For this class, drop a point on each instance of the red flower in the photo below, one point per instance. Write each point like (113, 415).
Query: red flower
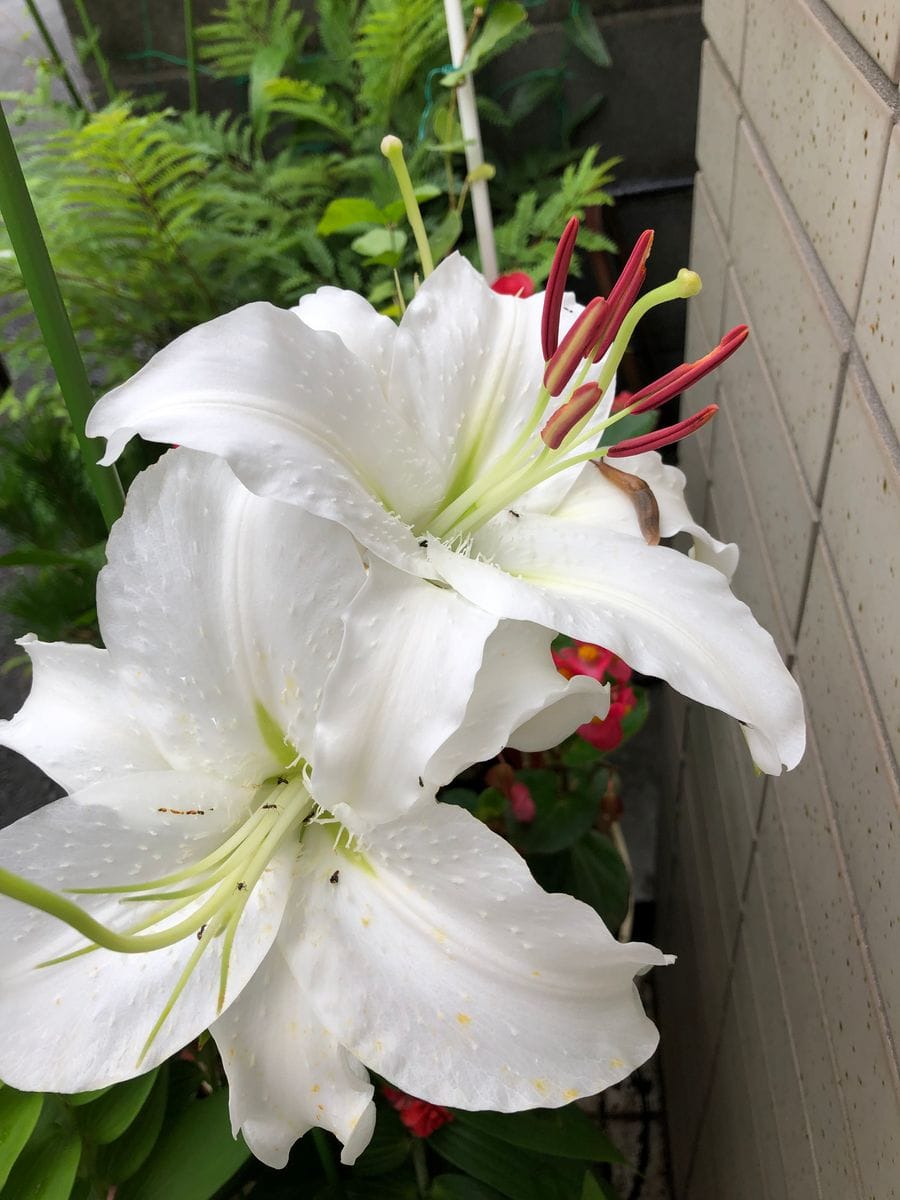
(521, 803)
(604, 733)
(419, 1117)
(516, 283)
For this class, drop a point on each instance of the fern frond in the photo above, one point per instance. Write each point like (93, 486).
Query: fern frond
(243, 28)
(398, 40)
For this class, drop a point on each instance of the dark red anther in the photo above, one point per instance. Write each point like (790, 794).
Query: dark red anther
(658, 438)
(582, 401)
(623, 293)
(574, 346)
(556, 286)
(679, 380)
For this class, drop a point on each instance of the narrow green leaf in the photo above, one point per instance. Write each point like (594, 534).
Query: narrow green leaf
(193, 1158)
(107, 1118)
(389, 1147)
(78, 1098)
(124, 1157)
(561, 1132)
(514, 1172)
(600, 878)
(46, 1169)
(19, 1112)
(349, 211)
(460, 1187)
(584, 33)
(445, 236)
(597, 1189)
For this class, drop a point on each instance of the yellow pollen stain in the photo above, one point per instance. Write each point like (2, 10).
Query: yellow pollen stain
(588, 653)
(539, 1085)
(440, 936)
(570, 1094)
(315, 1088)
(365, 921)
(320, 1107)
(616, 1064)
(536, 974)
(463, 1018)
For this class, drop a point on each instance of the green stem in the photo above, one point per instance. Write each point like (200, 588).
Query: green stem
(420, 1165)
(326, 1158)
(190, 53)
(37, 272)
(53, 51)
(93, 38)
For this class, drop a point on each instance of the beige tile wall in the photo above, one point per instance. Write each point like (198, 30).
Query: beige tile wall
(781, 1019)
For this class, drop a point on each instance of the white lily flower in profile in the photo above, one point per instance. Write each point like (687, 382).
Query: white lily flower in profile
(461, 445)
(250, 842)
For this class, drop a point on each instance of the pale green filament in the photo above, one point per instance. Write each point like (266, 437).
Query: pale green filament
(528, 461)
(227, 877)
(392, 149)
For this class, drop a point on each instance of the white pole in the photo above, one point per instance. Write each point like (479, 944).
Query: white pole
(471, 131)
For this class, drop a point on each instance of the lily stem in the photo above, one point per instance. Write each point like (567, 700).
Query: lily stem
(39, 278)
(329, 1166)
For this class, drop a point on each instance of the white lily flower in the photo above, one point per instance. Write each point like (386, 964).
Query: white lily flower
(254, 847)
(425, 441)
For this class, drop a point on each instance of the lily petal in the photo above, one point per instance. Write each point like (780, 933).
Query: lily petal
(378, 730)
(364, 331)
(295, 414)
(286, 1073)
(78, 723)
(663, 613)
(481, 990)
(81, 1024)
(260, 635)
(519, 700)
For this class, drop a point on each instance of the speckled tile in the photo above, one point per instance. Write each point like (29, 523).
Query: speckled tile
(800, 1169)
(799, 841)
(861, 517)
(698, 341)
(724, 21)
(753, 1038)
(878, 323)
(741, 787)
(728, 1136)
(717, 121)
(801, 332)
(825, 128)
(770, 463)
(709, 258)
(733, 514)
(876, 26)
(858, 770)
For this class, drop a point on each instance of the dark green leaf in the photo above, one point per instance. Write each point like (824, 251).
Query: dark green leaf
(193, 1158)
(512, 1171)
(347, 212)
(600, 878)
(461, 797)
(125, 1156)
(533, 91)
(107, 1118)
(576, 752)
(78, 1098)
(597, 1189)
(400, 1186)
(46, 1169)
(40, 558)
(582, 31)
(445, 235)
(388, 1148)
(562, 815)
(562, 1132)
(490, 805)
(629, 427)
(19, 1112)
(396, 210)
(460, 1187)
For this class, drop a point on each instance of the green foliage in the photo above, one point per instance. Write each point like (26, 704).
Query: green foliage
(243, 28)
